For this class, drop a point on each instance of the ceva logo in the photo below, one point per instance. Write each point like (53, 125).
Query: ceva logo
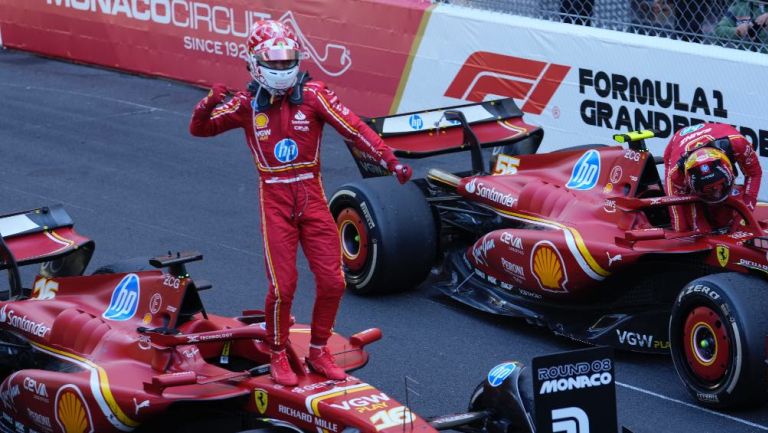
(586, 171)
(125, 299)
(532, 81)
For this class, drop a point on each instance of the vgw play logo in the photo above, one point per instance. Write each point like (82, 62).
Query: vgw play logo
(125, 299)
(586, 172)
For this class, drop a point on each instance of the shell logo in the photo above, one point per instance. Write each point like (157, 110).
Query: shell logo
(548, 268)
(72, 413)
(261, 120)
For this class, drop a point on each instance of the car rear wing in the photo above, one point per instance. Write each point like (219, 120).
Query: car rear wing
(41, 235)
(422, 134)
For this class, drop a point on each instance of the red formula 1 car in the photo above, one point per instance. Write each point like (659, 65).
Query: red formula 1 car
(577, 240)
(131, 348)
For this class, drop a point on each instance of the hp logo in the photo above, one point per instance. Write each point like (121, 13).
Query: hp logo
(125, 299)
(286, 150)
(416, 122)
(497, 375)
(585, 172)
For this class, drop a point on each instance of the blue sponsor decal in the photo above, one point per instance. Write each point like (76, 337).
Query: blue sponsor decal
(416, 121)
(687, 130)
(502, 371)
(471, 186)
(286, 150)
(585, 172)
(125, 299)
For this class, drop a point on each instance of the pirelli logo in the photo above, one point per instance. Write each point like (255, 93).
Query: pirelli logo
(531, 81)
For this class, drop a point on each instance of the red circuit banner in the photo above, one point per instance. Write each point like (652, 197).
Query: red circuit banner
(359, 47)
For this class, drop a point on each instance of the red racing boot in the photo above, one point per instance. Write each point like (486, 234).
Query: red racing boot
(322, 362)
(280, 369)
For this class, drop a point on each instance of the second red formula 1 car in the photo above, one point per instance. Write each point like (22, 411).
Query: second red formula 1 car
(130, 347)
(577, 240)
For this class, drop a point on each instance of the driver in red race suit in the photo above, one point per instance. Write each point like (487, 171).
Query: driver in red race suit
(701, 160)
(283, 114)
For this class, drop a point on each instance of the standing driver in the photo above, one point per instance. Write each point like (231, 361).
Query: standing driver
(283, 114)
(702, 160)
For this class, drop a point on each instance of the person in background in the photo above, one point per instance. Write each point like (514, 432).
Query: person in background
(701, 160)
(652, 17)
(282, 115)
(690, 15)
(577, 11)
(745, 21)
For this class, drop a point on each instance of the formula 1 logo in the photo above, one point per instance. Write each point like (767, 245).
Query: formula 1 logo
(569, 420)
(125, 299)
(532, 81)
(334, 61)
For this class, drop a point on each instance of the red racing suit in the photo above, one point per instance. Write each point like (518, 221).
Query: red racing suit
(708, 217)
(284, 137)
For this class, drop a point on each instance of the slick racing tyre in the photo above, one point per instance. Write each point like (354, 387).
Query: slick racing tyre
(717, 332)
(136, 264)
(388, 235)
(580, 147)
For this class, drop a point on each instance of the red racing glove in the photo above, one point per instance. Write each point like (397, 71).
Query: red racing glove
(750, 202)
(215, 95)
(402, 171)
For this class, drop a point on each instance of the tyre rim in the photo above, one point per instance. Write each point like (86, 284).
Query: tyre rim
(708, 346)
(354, 239)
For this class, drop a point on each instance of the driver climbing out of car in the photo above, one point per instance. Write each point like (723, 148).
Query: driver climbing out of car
(282, 114)
(702, 160)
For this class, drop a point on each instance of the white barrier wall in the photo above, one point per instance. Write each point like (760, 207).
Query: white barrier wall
(584, 84)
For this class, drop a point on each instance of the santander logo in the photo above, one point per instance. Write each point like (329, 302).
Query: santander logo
(531, 81)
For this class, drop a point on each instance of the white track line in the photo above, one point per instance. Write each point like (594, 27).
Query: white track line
(90, 95)
(693, 406)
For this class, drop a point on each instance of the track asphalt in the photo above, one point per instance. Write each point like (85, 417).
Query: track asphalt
(114, 149)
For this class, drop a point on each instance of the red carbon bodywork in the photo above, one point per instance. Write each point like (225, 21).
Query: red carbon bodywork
(583, 236)
(107, 376)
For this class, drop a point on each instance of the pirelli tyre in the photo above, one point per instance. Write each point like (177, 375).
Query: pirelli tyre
(136, 264)
(388, 235)
(717, 331)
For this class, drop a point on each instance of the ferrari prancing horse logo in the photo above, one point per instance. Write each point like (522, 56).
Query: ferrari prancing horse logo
(262, 399)
(722, 254)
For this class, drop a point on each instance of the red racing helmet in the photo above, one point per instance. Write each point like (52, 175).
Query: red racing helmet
(709, 174)
(273, 55)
